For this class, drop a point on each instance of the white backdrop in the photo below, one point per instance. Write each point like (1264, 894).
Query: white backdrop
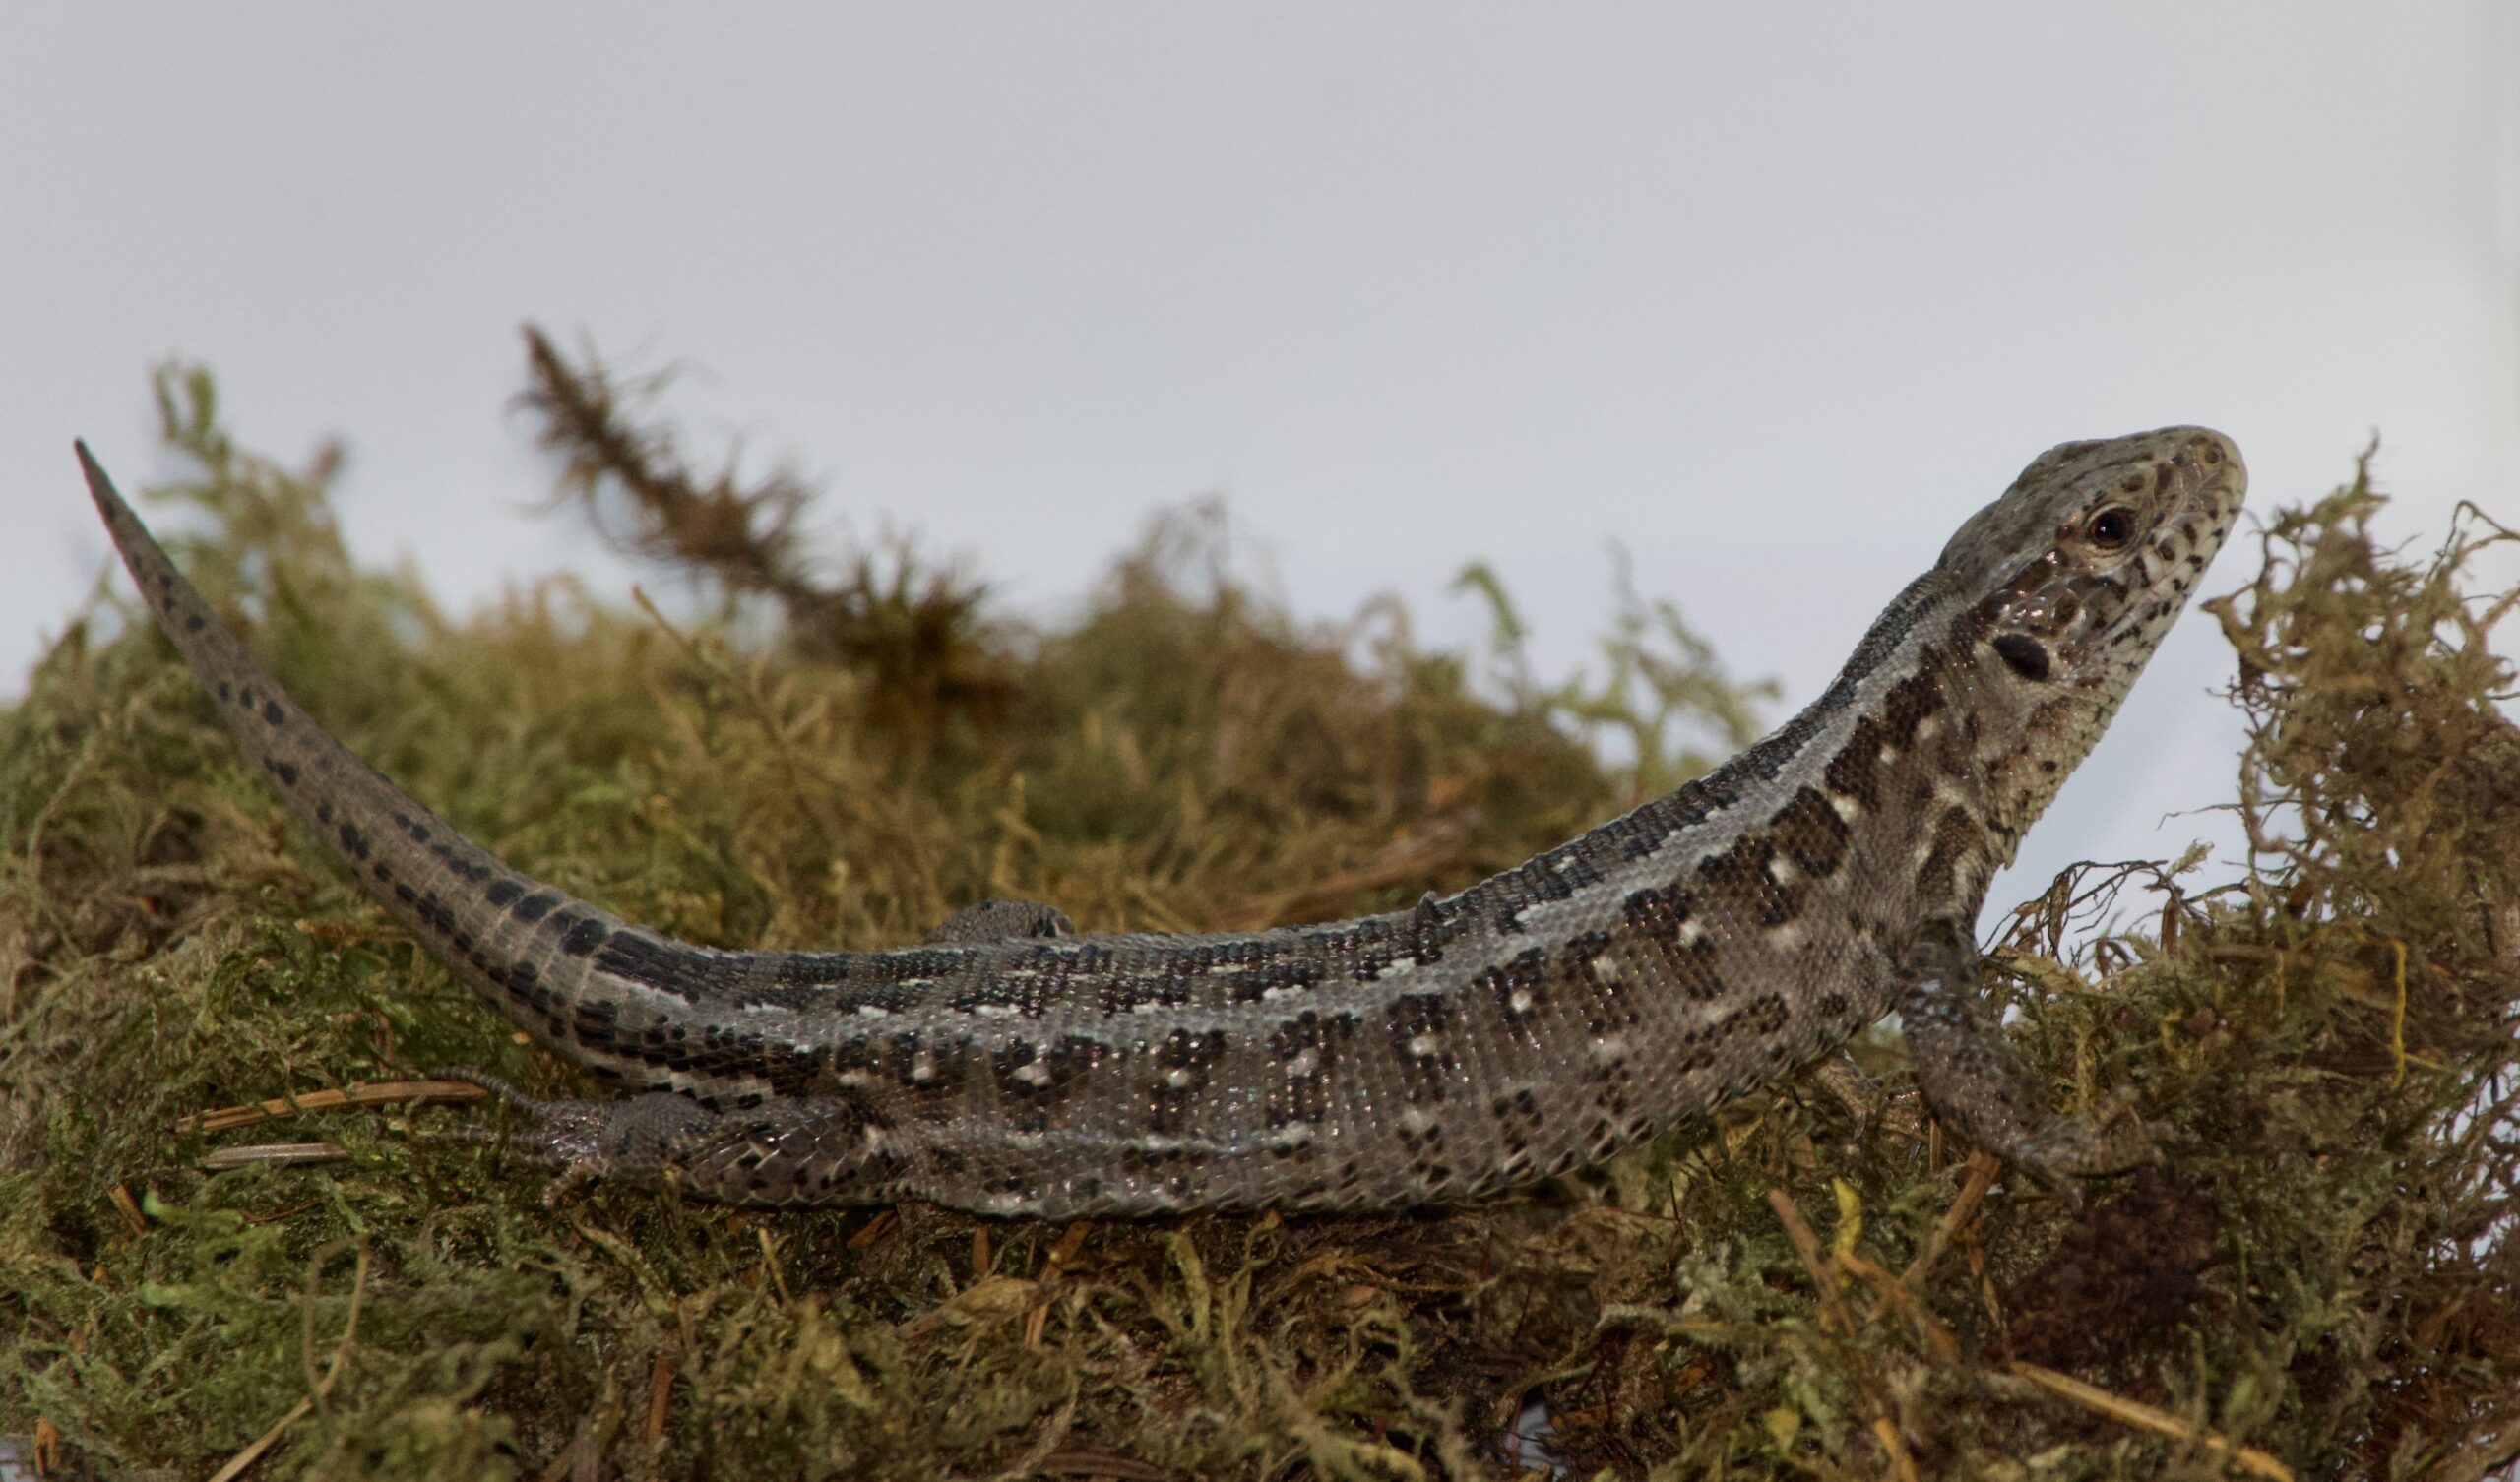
(1774, 297)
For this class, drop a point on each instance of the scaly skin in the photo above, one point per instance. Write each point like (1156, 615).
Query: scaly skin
(1547, 1016)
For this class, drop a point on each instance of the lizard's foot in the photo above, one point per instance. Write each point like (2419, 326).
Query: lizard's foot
(2112, 1139)
(787, 1153)
(1973, 1083)
(1848, 1084)
(632, 1138)
(1001, 921)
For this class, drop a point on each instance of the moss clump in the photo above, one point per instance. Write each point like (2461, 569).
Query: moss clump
(2322, 1271)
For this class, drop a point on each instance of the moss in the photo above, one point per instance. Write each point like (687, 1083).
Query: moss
(2321, 1269)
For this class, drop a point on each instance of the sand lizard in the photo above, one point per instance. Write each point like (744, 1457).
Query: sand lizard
(1707, 942)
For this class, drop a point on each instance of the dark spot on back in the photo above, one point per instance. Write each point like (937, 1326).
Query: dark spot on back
(1428, 1016)
(1856, 771)
(1592, 977)
(1957, 837)
(1910, 701)
(1304, 1097)
(1811, 834)
(1520, 981)
(1736, 884)
(1694, 971)
(1183, 1063)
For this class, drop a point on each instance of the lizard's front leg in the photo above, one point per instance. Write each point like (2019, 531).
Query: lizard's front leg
(1972, 1080)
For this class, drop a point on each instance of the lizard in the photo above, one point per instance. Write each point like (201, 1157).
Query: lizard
(1703, 944)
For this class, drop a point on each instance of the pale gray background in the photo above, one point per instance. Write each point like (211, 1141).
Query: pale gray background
(1774, 295)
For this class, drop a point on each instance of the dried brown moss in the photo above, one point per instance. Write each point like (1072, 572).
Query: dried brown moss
(2323, 1269)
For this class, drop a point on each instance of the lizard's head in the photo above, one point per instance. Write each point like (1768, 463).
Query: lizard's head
(2074, 576)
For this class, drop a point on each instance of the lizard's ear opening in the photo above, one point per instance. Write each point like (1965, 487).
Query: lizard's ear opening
(2027, 655)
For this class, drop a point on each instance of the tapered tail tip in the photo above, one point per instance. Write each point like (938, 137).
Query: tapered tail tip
(100, 487)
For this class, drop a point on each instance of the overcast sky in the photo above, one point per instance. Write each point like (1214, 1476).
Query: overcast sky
(1774, 296)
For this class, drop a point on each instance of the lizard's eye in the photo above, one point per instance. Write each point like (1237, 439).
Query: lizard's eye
(2112, 528)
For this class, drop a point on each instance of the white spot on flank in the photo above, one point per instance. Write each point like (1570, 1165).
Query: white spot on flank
(1604, 967)
(873, 1010)
(1848, 808)
(874, 1137)
(1889, 754)
(1289, 1139)
(1396, 968)
(1785, 936)
(1781, 871)
(1034, 1073)
(1611, 1047)
(1304, 1063)
(922, 1068)
(1416, 1118)
(1177, 1077)
(1281, 991)
(994, 1010)
(1689, 934)
(1423, 1045)
(1521, 1001)
(1928, 726)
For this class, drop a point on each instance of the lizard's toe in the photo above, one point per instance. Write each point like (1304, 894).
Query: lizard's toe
(2070, 1148)
(587, 1140)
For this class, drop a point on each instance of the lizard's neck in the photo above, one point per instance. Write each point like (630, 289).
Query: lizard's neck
(1885, 785)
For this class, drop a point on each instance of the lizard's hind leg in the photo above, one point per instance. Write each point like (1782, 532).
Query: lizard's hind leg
(787, 1153)
(795, 1152)
(1001, 921)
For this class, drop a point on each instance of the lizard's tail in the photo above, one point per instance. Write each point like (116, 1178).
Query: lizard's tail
(520, 942)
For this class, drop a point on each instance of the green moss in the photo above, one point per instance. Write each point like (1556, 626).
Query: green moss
(2323, 1269)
